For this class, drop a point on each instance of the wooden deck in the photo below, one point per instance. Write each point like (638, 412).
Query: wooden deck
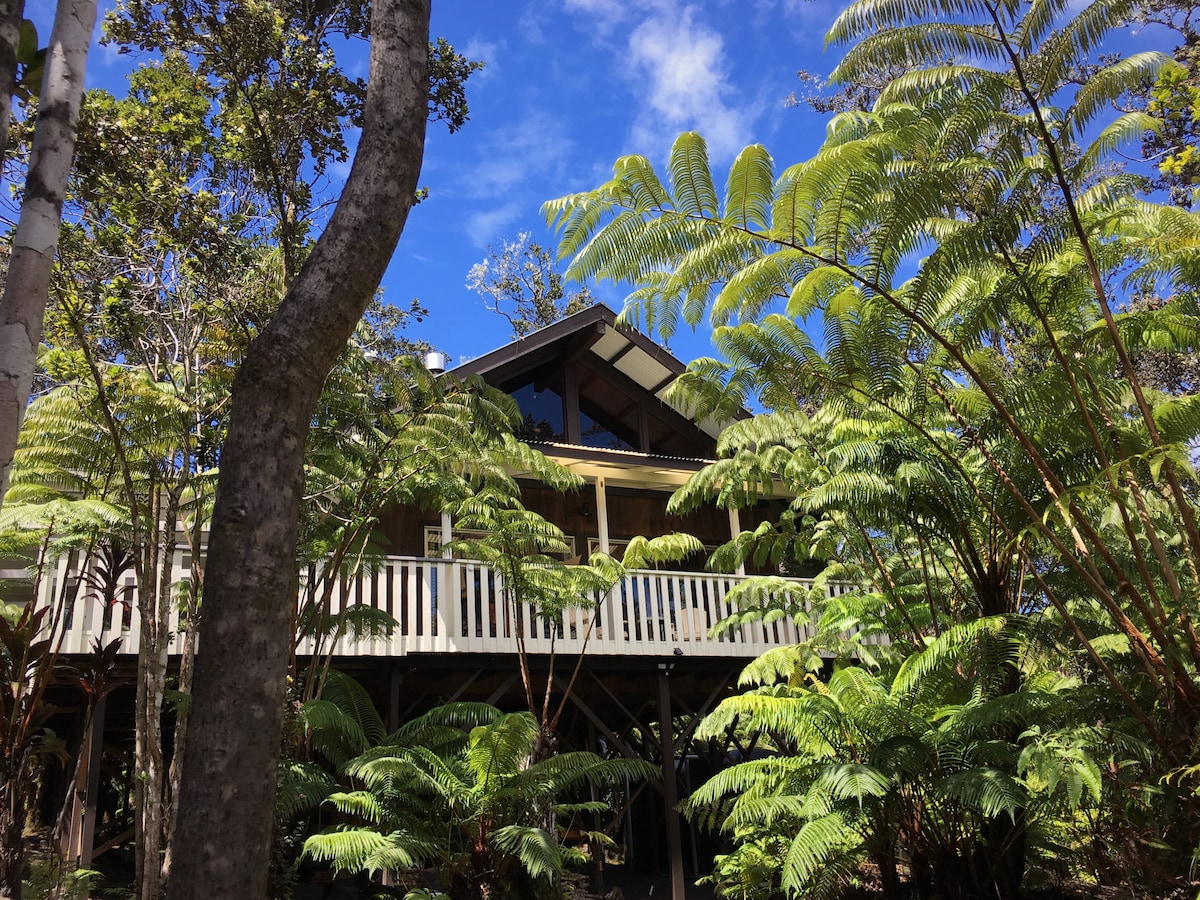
(457, 606)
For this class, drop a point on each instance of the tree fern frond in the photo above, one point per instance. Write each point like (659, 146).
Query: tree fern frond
(1103, 89)
(950, 644)
(853, 781)
(334, 732)
(1037, 23)
(362, 804)
(1125, 131)
(1078, 38)
(350, 696)
(987, 790)
(814, 844)
(749, 191)
(912, 86)
(870, 16)
(301, 788)
(691, 179)
(534, 847)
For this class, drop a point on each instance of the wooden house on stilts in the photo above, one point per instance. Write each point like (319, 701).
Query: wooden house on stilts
(592, 396)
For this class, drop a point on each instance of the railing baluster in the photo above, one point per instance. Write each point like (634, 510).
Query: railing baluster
(445, 605)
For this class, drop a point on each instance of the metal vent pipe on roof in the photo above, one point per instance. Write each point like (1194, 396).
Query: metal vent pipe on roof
(437, 362)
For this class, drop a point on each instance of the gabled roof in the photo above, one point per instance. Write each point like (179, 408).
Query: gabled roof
(615, 353)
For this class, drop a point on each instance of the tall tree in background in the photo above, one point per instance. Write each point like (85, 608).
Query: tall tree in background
(521, 282)
(35, 243)
(283, 105)
(227, 794)
(1174, 97)
(158, 292)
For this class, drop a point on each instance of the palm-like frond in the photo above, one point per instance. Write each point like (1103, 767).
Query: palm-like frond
(535, 848)
(358, 849)
(817, 841)
(459, 781)
(691, 179)
(989, 791)
(1107, 86)
(302, 788)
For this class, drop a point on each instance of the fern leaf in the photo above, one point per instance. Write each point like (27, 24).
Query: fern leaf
(691, 179)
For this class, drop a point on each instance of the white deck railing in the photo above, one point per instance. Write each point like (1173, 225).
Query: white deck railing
(457, 606)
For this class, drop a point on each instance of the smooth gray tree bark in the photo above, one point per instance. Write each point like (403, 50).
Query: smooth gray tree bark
(222, 838)
(35, 242)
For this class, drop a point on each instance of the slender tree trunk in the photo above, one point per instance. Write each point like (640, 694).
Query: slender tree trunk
(154, 608)
(225, 809)
(12, 825)
(12, 13)
(187, 658)
(35, 243)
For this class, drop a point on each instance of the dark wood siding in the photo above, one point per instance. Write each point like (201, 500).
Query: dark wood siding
(403, 530)
(630, 513)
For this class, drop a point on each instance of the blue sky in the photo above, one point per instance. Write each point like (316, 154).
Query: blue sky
(571, 85)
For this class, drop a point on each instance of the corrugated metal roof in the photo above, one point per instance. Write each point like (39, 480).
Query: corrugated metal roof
(639, 366)
(610, 345)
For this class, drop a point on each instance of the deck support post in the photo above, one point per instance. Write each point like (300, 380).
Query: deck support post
(597, 852)
(396, 682)
(670, 788)
(735, 528)
(601, 516)
(82, 833)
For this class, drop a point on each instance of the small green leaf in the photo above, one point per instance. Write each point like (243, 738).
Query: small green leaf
(27, 45)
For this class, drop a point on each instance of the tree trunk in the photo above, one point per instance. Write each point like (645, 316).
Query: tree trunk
(35, 242)
(12, 13)
(187, 658)
(12, 825)
(154, 608)
(225, 809)
(148, 766)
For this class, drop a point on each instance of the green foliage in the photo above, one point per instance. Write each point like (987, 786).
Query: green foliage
(538, 587)
(30, 61)
(977, 461)
(456, 788)
(29, 643)
(278, 102)
(448, 74)
(50, 879)
(387, 431)
(1174, 99)
(869, 768)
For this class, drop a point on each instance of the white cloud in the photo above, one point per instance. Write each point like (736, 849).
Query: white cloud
(679, 72)
(808, 21)
(488, 52)
(484, 227)
(530, 25)
(682, 64)
(606, 14)
(611, 9)
(535, 145)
